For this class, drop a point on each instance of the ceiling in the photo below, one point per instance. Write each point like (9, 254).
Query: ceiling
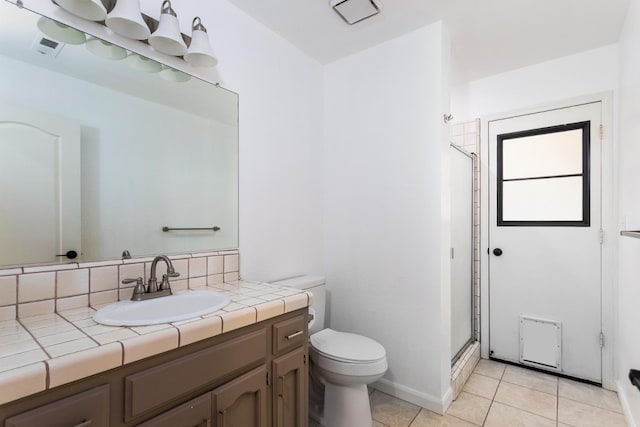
(487, 36)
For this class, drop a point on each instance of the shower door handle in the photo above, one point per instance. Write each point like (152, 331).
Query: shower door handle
(497, 251)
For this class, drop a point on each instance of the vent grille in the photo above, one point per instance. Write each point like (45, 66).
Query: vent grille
(45, 46)
(354, 11)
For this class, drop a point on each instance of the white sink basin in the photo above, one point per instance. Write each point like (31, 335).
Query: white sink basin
(181, 305)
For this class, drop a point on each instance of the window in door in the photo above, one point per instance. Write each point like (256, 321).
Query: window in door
(543, 176)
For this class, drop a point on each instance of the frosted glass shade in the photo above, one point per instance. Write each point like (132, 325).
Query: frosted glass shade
(171, 75)
(60, 32)
(143, 64)
(93, 10)
(200, 53)
(105, 49)
(167, 37)
(125, 19)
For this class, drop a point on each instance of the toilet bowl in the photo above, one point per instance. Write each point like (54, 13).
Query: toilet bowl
(344, 363)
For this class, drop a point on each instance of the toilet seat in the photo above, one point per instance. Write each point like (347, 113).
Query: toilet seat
(347, 354)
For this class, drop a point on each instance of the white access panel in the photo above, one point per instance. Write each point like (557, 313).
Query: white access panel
(541, 343)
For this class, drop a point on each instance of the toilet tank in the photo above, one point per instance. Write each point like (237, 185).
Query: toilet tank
(315, 285)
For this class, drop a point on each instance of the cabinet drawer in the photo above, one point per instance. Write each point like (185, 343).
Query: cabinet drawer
(156, 386)
(89, 408)
(289, 333)
(194, 413)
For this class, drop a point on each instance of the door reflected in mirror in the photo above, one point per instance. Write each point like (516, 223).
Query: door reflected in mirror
(156, 148)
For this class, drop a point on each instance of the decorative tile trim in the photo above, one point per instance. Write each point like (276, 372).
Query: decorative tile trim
(10, 271)
(54, 267)
(75, 366)
(22, 382)
(462, 369)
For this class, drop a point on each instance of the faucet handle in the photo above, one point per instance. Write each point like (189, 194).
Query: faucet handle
(164, 286)
(138, 290)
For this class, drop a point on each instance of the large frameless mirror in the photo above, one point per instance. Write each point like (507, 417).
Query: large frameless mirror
(102, 148)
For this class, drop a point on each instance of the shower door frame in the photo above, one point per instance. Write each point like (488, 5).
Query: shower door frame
(474, 327)
(609, 215)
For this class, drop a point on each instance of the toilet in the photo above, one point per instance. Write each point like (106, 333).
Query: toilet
(342, 364)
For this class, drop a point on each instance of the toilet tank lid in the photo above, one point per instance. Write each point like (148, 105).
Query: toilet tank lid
(301, 282)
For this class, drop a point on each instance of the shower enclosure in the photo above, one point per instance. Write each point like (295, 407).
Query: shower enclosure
(462, 330)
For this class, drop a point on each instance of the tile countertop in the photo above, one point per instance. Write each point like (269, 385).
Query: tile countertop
(41, 352)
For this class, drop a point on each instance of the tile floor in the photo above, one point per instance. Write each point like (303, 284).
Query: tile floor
(500, 395)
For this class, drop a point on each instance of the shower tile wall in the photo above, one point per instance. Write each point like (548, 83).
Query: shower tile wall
(467, 137)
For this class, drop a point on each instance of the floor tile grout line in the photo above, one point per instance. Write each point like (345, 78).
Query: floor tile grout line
(416, 416)
(558, 403)
(523, 410)
(589, 404)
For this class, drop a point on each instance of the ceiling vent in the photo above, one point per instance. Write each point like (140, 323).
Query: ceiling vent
(46, 46)
(354, 11)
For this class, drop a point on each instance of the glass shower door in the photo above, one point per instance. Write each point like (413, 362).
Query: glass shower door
(461, 250)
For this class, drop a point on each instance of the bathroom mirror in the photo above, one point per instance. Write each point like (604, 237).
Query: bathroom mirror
(98, 155)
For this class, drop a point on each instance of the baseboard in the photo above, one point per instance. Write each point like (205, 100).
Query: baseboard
(427, 401)
(624, 402)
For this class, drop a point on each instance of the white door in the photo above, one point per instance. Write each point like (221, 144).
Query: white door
(39, 186)
(461, 250)
(544, 237)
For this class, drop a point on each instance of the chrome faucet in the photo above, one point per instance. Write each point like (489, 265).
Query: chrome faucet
(152, 289)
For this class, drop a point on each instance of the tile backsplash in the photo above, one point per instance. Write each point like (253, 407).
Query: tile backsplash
(30, 291)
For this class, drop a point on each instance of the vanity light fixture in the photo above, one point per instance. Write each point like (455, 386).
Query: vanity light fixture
(93, 10)
(60, 32)
(105, 49)
(354, 11)
(142, 63)
(200, 53)
(125, 19)
(173, 75)
(167, 37)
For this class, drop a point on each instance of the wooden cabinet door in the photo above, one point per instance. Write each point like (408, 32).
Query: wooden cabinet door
(243, 401)
(194, 413)
(290, 374)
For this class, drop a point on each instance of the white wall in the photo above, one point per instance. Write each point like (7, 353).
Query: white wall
(629, 211)
(384, 159)
(280, 149)
(576, 75)
(280, 139)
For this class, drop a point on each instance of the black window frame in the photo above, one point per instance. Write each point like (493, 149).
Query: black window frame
(586, 174)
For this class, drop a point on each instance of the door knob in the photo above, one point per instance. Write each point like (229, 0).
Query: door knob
(497, 251)
(70, 254)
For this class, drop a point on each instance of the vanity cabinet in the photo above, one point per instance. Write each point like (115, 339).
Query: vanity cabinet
(194, 413)
(290, 393)
(243, 401)
(255, 376)
(89, 408)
